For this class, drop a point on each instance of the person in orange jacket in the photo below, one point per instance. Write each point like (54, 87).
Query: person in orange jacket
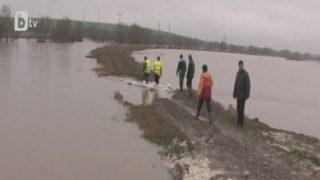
(204, 92)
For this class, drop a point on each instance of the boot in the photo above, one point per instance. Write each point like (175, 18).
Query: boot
(210, 118)
(190, 93)
(197, 116)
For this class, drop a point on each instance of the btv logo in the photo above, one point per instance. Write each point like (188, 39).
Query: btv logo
(22, 21)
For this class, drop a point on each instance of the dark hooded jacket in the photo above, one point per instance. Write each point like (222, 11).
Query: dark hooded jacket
(190, 72)
(181, 69)
(241, 89)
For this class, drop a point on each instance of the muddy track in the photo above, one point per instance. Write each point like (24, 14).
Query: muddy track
(233, 152)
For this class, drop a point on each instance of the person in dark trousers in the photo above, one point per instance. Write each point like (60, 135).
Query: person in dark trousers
(157, 69)
(146, 69)
(241, 91)
(190, 74)
(181, 70)
(204, 92)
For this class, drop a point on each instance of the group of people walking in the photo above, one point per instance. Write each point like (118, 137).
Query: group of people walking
(157, 69)
(241, 91)
(181, 71)
(205, 84)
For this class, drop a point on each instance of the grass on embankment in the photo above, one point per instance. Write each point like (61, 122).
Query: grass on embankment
(116, 60)
(159, 131)
(156, 129)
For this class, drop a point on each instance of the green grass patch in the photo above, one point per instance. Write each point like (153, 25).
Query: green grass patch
(116, 60)
(154, 127)
(159, 131)
(306, 155)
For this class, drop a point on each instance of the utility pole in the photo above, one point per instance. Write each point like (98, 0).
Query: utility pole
(98, 15)
(83, 14)
(224, 39)
(169, 27)
(119, 17)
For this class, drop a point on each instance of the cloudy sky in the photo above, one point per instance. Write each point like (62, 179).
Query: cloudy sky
(278, 24)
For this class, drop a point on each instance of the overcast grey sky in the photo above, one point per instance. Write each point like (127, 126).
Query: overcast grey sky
(278, 24)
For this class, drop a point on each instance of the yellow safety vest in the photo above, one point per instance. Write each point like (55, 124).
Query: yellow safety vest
(157, 67)
(148, 66)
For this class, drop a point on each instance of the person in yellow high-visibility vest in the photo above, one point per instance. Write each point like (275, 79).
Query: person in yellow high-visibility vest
(146, 69)
(157, 69)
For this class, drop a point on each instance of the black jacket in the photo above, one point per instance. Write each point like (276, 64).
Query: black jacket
(182, 67)
(190, 72)
(241, 89)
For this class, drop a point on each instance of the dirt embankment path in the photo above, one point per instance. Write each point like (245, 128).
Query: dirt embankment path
(225, 151)
(200, 151)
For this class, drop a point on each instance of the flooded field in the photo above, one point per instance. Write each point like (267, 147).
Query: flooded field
(58, 120)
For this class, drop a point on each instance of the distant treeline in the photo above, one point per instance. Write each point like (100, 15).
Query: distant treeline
(135, 34)
(66, 30)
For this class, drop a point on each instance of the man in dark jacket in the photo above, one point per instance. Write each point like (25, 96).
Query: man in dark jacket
(241, 91)
(190, 74)
(181, 70)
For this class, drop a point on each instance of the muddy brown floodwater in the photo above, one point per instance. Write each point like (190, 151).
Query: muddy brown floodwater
(58, 120)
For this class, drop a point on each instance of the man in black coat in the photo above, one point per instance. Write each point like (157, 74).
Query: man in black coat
(190, 74)
(241, 91)
(181, 70)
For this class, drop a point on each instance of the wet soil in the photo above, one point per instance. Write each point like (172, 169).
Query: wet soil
(224, 150)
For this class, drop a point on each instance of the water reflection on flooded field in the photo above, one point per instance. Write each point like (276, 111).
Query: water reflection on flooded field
(58, 120)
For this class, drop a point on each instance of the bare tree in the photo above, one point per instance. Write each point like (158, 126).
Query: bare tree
(6, 22)
(43, 28)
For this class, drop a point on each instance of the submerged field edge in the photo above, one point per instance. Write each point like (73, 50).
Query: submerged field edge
(185, 141)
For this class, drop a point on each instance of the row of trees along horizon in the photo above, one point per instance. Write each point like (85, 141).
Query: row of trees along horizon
(67, 30)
